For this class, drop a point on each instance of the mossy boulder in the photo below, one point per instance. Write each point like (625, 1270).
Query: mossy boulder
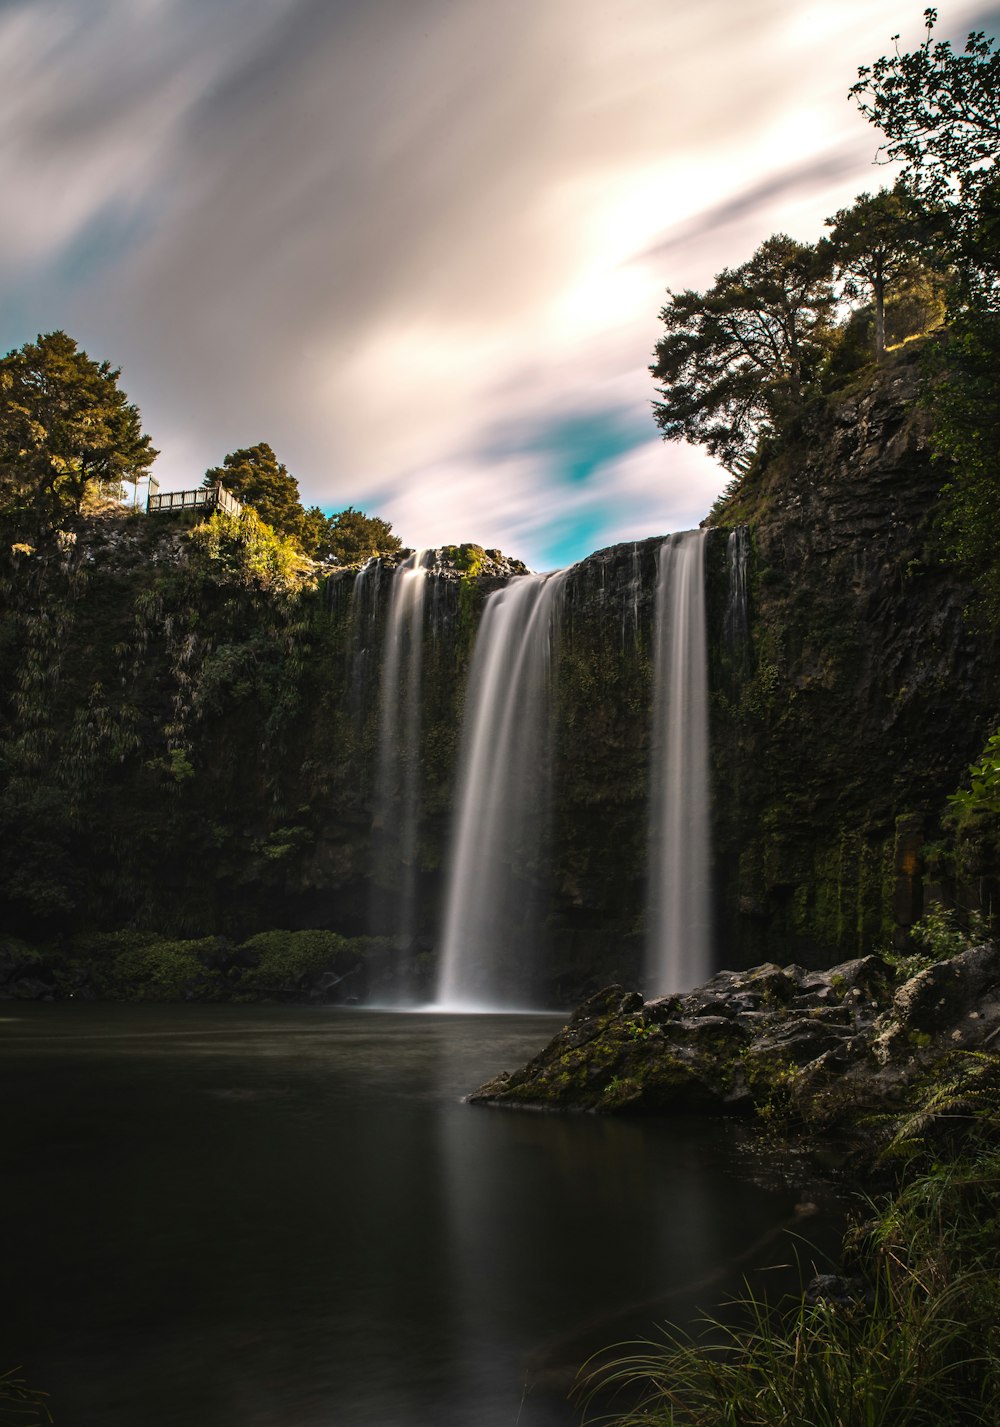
(817, 1049)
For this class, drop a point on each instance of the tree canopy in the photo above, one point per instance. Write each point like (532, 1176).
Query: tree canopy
(257, 478)
(739, 361)
(351, 536)
(735, 359)
(880, 241)
(65, 427)
(940, 113)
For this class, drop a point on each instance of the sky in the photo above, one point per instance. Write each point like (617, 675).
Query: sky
(421, 246)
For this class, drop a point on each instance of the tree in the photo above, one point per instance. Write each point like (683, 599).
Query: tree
(878, 242)
(940, 114)
(313, 532)
(257, 478)
(65, 427)
(352, 536)
(736, 359)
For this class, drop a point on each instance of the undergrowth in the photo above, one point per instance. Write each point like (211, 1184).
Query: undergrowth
(910, 1339)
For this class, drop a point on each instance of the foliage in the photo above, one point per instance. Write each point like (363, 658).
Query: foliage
(351, 536)
(878, 242)
(257, 478)
(159, 970)
(243, 550)
(736, 359)
(959, 1096)
(983, 792)
(942, 936)
(136, 965)
(65, 427)
(313, 533)
(939, 113)
(912, 1341)
(467, 559)
(965, 406)
(20, 1404)
(285, 958)
(819, 1365)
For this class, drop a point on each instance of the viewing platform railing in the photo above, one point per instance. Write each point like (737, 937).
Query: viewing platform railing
(205, 497)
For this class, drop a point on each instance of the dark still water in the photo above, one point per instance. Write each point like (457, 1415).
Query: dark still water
(283, 1217)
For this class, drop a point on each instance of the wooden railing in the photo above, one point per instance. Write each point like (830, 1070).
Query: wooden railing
(205, 497)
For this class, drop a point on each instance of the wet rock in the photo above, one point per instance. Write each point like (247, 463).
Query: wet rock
(868, 974)
(798, 1042)
(606, 1002)
(940, 994)
(837, 1289)
(825, 1047)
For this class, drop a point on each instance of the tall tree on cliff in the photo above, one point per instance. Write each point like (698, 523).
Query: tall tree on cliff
(736, 360)
(878, 243)
(65, 426)
(940, 114)
(257, 478)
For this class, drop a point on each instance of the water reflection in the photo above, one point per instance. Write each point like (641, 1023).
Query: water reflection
(276, 1217)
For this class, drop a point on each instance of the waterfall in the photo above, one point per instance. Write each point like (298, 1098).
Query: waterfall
(493, 904)
(737, 621)
(364, 616)
(679, 946)
(397, 778)
(633, 590)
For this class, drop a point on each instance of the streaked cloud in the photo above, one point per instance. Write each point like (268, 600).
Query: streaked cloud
(417, 244)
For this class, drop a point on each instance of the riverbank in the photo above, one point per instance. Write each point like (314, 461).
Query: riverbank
(882, 1072)
(312, 967)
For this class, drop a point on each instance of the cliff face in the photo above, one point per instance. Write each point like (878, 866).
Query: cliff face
(863, 695)
(188, 752)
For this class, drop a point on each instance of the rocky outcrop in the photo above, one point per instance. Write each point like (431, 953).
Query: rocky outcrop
(822, 1047)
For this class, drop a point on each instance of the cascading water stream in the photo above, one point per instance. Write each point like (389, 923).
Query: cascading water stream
(679, 948)
(492, 901)
(364, 616)
(397, 781)
(737, 622)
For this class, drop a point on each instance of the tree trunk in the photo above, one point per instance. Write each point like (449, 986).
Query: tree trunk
(878, 287)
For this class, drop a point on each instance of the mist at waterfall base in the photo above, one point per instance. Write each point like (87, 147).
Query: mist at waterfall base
(284, 1216)
(491, 941)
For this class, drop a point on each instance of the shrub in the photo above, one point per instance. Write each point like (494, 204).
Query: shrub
(286, 959)
(159, 970)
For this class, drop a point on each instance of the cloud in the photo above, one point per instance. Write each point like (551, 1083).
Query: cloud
(528, 508)
(404, 240)
(815, 175)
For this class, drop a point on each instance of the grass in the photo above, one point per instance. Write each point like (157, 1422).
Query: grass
(915, 1343)
(21, 1405)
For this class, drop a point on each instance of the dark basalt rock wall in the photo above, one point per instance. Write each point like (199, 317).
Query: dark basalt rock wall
(864, 695)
